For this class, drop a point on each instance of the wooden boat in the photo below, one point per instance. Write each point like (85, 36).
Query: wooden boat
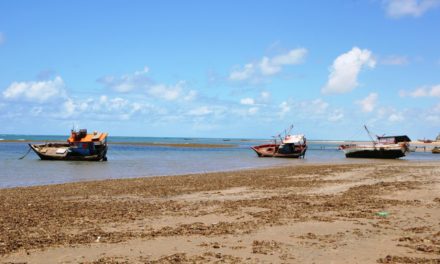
(291, 146)
(389, 147)
(436, 150)
(79, 146)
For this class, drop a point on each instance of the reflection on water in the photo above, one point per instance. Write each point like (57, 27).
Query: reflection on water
(127, 161)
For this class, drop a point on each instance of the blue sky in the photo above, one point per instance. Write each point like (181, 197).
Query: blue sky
(221, 69)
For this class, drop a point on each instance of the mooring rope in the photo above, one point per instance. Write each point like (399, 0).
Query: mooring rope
(29, 150)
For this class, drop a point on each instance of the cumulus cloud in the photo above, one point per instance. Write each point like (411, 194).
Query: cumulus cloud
(163, 91)
(265, 96)
(139, 81)
(268, 66)
(171, 92)
(105, 108)
(40, 92)
(368, 103)
(203, 111)
(424, 91)
(200, 111)
(414, 8)
(390, 114)
(396, 117)
(247, 101)
(242, 74)
(395, 60)
(128, 82)
(345, 70)
(316, 109)
(191, 95)
(284, 108)
(336, 115)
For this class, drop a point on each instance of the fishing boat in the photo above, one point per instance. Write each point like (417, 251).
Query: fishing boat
(436, 150)
(79, 146)
(385, 147)
(290, 146)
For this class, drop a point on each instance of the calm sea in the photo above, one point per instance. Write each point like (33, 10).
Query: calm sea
(128, 160)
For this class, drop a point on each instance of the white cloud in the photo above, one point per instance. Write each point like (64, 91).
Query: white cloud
(314, 107)
(128, 82)
(265, 96)
(396, 117)
(345, 70)
(336, 115)
(268, 66)
(172, 92)
(368, 103)
(247, 101)
(424, 91)
(415, 8)
(214, 111)
(284, 109)
(166, 92)
(36, 91)
(105, 108)
(140, 82)
(318, 106)
(240, 75)
(295, 56)
(200, 111)
(191, 95)
(2, 38)
(435, 91)
(390, 114)
(395, 60)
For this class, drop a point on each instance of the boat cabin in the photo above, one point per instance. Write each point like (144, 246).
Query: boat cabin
(393, 139)
(86, 144)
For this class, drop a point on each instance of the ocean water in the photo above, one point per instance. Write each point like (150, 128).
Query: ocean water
(131, 160)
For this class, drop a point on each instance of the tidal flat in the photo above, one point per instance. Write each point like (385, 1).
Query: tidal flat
(380, 211)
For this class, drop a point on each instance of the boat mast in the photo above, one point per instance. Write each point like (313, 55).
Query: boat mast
(369, 134)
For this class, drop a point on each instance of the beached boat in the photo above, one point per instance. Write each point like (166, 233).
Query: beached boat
(291, 146)
(436, 150)
(389, 147)
(79, 146)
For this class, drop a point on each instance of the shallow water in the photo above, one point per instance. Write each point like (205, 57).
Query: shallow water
(128, 161)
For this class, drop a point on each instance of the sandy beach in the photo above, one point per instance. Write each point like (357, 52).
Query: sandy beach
(378, 212)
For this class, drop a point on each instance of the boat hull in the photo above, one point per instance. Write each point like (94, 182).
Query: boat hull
(273, 150)
(375, 152)
(52, 152)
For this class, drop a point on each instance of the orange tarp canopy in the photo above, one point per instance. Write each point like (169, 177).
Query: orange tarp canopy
(89, 138)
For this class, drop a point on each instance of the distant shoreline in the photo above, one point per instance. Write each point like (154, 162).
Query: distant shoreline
(152, 144)
(417, 142)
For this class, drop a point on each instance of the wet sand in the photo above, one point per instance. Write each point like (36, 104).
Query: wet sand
(379, 212)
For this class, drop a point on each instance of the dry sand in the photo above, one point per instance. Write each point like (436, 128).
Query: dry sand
(386, 212)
